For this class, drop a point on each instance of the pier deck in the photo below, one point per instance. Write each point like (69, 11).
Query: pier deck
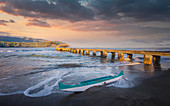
(149, 56)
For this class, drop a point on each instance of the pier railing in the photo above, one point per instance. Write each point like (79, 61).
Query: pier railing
(149, 56)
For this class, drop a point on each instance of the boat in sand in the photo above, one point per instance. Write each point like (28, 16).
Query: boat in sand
(82, 86)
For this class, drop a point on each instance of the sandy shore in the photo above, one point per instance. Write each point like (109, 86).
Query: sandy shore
(153, 91)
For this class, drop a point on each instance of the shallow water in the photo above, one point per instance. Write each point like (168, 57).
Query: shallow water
(37, 71)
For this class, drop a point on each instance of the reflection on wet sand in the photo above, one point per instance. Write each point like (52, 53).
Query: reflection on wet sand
(152, 68)
(112, 60)
(157, 66)
(103, 60)
(148, 68)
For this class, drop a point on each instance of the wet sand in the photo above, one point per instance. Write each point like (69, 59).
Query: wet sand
(153, 91)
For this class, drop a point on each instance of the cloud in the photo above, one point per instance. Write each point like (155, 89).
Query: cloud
(71, 10)
(90, 26)
(4, 22)
(132, 10)
(129, 29)
(36, 22)
(4, 33)
(79, 10)
(12, 21)
(164, 43)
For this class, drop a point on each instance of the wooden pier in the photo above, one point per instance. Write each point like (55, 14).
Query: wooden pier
(149, 56)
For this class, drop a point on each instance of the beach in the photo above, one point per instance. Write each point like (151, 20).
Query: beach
(30, 76)
(151, 92)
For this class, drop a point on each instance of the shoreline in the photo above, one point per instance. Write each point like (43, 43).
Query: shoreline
(152, 91)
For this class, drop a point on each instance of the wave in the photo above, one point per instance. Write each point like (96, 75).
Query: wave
(45, 56)
(6, 56)
(116, 64)
(122, 83)
(45, 87)
(7, 50)
(69, 65)
(13, 93)
(41, 70)
(10, 51)
(42, 89)
(25, 50)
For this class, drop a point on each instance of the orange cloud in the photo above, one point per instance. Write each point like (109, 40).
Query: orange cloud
(2, 3)
(36, 22)
(4, 22)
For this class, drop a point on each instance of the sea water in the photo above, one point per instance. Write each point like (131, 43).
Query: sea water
(35, 72)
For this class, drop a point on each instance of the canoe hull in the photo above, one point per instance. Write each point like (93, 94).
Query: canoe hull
(83, 88)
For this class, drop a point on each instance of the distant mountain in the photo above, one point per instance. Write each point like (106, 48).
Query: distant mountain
(7, 41)
(18, 39)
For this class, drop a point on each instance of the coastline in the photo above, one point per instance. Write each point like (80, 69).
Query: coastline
(151, 92)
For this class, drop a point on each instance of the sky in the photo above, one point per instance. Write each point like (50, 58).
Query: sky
(89, 23)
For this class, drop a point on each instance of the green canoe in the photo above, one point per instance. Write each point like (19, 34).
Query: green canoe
(90, 83)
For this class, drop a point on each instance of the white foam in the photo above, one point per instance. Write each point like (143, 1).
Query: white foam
(13, 93)
(47, 90)
(10, 50)
(122, 83)
(44, 92)
(116, 64)
(135, 63)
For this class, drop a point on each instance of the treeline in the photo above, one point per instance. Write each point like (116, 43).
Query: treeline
(29, 44)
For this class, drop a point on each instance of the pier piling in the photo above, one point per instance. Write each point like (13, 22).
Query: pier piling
(81, 51)
(87, 52)
(78, 51)
(120, 56)
(156, 59)
(112, 55)
(103, 54)
(147, 59)
(129, 56)
(71, 50)
(94, 53)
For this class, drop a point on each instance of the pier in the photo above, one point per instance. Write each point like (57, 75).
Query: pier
(149, 56)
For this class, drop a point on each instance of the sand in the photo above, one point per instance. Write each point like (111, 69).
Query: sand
(153, 91)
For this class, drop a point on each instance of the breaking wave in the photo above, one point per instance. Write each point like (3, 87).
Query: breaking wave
(123, 63)
(45, 56)
(13, 93)
(41, 89)
(45, 87)
(122, 83)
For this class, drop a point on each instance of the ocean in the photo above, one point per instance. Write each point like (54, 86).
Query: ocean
(35, 72)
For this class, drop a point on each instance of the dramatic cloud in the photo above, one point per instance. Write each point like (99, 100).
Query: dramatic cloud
(78, 10)
(90, 26)
(4, 22)
(70, 10)
(36, 22)
(132, 10)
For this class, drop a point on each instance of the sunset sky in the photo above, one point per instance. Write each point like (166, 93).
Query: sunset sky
(89, 23)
